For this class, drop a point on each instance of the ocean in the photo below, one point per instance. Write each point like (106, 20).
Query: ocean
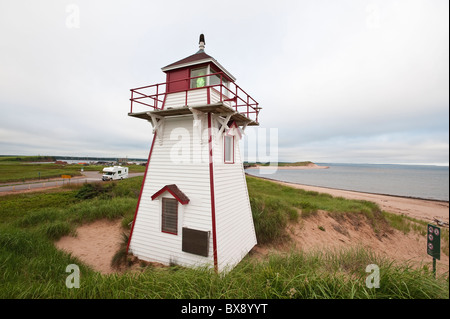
(418, 181)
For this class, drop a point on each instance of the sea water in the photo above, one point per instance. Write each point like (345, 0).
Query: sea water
(420, 181)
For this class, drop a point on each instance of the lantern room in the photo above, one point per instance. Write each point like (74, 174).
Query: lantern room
(200, 68)
(198, 81)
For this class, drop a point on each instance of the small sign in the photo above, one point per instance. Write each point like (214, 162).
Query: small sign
(66, 176)
(434, 241)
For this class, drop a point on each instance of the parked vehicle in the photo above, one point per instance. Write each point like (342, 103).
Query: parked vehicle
(114, 173)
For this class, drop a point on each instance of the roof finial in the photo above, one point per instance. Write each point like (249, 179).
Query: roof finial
(201, 43)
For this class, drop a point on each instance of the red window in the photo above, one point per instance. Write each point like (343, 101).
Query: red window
(169, 220)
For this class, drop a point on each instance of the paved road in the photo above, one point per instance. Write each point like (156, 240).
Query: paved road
(88, 177)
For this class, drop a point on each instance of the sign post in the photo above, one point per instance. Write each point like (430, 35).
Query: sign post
(66, 177)
(434, 244)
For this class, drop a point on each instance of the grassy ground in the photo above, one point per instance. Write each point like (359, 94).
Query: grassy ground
(31, 267)
(19, 169)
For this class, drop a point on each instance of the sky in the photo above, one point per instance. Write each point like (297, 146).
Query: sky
(339, 81)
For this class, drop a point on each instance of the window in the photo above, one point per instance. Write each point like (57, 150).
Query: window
(169, 220)
(215, 80)
(200, 81)
(228, 143)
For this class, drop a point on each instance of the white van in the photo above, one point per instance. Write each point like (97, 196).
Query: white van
(115, 172)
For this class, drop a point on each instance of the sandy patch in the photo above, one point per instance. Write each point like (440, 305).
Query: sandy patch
(323, 232)
(95, 244)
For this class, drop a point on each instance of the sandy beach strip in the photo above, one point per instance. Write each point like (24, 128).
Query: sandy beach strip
(309, 166)
(422, 209)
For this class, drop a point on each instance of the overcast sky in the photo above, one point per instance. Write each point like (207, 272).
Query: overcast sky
(342, 81)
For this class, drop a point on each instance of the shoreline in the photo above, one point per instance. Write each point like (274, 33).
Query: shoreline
(309, 166)
(419, 208)
(354, 191)
(350, 190)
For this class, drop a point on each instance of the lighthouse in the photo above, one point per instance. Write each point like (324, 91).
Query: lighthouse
(193, 208)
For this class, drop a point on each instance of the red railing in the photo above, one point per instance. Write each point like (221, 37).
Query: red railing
(154, 96)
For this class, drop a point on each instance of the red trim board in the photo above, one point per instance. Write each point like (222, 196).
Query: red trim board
(211, 184)
(142, 188)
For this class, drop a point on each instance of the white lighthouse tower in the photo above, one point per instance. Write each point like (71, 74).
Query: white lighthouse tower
(194, 209)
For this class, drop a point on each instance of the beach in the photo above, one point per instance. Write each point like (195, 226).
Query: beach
(308, 166)
(422, 209)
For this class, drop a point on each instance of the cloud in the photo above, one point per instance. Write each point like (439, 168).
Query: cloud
(335, 79)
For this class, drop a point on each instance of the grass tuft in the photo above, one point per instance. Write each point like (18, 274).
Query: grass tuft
(120, 257)
(56, 230)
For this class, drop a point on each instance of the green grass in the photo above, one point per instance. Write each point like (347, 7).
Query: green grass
(31, 266)
(37, 158)
(18, 170)
(316, 275)
(18, 205)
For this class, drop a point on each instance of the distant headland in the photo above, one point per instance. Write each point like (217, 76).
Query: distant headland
(286, 165)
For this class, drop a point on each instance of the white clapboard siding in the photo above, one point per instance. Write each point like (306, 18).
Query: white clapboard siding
(215, 97)
(197, 97)
(194, 97)
(177, 99)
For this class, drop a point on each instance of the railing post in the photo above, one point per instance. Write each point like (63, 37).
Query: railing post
(236, 96)
(208, 95)
(248, 109)
(156, 101)
(131, 106)
(221, 88)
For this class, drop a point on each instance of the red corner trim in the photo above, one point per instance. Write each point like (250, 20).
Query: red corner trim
(211, 185)
(140, 193)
